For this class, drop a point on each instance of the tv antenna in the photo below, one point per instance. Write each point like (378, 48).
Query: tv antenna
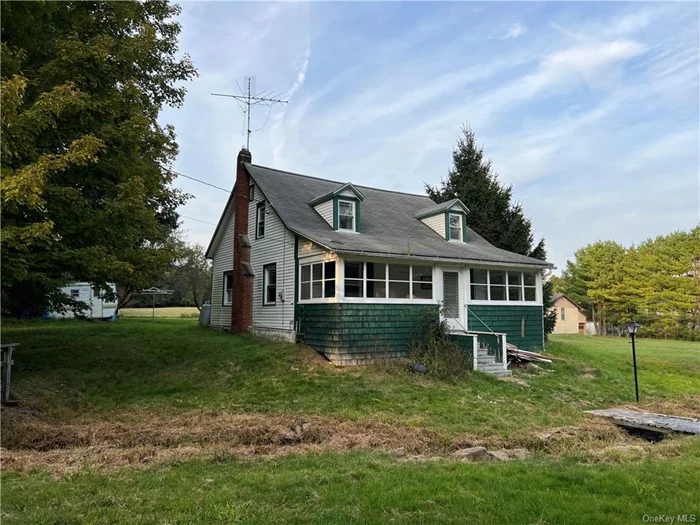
(246, 100)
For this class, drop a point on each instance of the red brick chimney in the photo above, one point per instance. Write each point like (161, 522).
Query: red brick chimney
(242, 307)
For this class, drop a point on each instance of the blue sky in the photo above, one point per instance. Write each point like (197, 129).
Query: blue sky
(590, 110)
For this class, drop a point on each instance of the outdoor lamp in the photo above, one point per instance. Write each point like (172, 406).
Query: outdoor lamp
(632, 327)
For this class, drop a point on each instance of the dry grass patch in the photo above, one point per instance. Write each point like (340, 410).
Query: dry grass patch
(142, 439)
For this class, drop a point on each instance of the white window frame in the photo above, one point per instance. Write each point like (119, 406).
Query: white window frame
(449, 226)
(563, 314)
(260, 219)
(266, 284)
(323, 281)
(354, 215)
(224, 298)
(505, 302)
(75, 293)
(387, 281)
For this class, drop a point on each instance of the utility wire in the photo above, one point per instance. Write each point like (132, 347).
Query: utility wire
(199, 180)
(198, 220)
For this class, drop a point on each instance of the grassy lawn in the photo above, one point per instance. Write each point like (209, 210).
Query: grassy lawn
(145, 421)
(166, 311)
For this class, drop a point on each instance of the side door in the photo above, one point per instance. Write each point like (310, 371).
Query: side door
(451, 303)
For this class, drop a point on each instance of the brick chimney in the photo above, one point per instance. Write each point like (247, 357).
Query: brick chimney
(242, 307)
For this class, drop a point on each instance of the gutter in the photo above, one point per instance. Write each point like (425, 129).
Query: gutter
(435, 258)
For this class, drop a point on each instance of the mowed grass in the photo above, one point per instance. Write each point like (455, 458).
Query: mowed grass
(82, 373)
(165, 311)
(360, 488)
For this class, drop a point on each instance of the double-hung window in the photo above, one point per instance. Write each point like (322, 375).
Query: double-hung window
(455, 227)
(269, 284)
(228, 289)
(317, 280)
(346, 215)
(260, 221)
(75, 293)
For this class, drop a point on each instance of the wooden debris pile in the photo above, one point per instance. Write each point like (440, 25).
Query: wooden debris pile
(523, 356)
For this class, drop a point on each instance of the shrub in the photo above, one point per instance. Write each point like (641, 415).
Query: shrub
(433, 348)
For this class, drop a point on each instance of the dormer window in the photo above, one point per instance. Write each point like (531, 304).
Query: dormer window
(346, 215)
(455, 226)
(340, 208)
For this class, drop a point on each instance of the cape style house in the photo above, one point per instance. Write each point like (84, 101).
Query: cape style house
(351, 270)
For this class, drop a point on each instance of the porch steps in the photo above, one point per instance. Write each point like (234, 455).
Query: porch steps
(487, 364)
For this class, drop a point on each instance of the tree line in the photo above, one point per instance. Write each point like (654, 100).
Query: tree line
(656, 283)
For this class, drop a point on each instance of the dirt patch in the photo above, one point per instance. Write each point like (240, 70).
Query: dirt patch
(514, 379)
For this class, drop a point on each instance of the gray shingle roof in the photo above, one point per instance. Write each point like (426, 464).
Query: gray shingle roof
(436, 208)
(388, 227)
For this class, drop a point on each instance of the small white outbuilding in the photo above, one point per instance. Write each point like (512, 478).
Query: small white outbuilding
(93, 296)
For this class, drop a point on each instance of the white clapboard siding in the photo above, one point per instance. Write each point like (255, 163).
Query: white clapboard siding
(222, 262)
(437, 223)
(277, 246)
(325, 210)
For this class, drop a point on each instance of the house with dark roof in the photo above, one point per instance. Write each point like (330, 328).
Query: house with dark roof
(351, 270)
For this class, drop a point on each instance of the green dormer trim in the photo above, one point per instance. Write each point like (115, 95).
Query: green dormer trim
(348, 186)
(441, 208)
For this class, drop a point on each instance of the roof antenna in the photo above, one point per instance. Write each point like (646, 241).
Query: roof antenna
(246, 100)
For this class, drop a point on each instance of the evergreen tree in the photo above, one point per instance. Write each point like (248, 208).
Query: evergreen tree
(86, 193)
(492, 212)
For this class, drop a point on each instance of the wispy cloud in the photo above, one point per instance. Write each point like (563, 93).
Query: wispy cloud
(514, 31)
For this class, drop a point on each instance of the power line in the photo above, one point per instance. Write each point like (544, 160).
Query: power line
(199, 180)
(198, 220)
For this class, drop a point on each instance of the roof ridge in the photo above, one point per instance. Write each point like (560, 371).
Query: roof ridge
(341, 183)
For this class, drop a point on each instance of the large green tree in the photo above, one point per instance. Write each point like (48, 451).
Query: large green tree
(493, 213)
(86, 190)
(656, 283)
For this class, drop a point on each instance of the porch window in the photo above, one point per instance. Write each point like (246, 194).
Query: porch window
(480, 284)
(529, 286)
(317, 280)
(354, 277)
(228, 289)
(502, 285)
(388, 281)
(376, 279)
(346, 215)
(497, 285)
(270, 284)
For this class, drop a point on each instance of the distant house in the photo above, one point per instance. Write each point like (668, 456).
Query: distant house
(350, 270)
(92, 295)
(570, 318)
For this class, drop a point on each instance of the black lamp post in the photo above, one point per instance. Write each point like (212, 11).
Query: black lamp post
(632, 329)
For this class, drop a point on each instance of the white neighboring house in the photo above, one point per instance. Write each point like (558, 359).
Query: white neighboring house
(98, 307)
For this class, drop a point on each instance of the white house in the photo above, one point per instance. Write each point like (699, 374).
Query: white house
(350, 270)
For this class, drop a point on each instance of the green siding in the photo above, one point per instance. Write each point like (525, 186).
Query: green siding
(509, 319)
(465, 343)
(361, 332)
